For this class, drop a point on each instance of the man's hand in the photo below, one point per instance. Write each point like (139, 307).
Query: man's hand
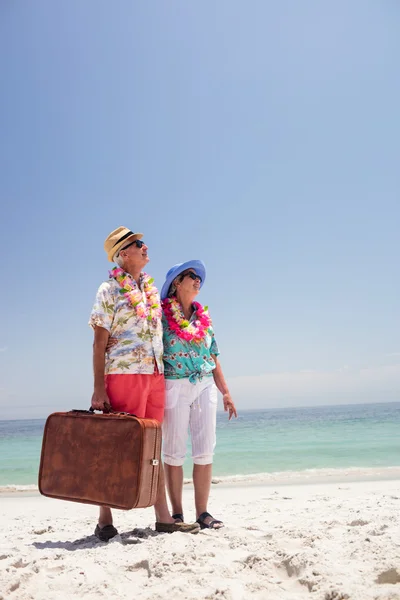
(229, 406)
(112, 341)
(100, 401)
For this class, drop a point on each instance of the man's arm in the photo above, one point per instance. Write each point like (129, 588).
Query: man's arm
(100, 399)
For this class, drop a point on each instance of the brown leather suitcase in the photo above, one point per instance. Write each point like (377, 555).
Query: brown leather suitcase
(104, 459)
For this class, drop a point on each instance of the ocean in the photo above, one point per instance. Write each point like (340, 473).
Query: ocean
(273, 441)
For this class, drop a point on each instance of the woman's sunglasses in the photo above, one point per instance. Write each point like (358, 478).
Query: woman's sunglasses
(138, 244)
(193, 276)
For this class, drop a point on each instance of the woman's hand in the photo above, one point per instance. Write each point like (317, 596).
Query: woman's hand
(111, 342)
(229, 405)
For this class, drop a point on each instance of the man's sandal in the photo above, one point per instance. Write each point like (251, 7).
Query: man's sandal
(211, 525)
(105, 533)
(174, 527)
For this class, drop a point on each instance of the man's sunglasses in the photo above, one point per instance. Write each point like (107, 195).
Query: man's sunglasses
(192, 275)
(138, 244)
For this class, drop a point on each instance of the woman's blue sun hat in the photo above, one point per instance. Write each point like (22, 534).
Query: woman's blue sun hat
(176, 270)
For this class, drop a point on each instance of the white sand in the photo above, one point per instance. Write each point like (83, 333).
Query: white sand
(320, 541)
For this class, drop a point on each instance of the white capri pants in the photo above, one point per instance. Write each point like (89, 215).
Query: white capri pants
(194, 406)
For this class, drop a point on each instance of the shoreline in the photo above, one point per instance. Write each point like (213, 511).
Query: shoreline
(282, 478)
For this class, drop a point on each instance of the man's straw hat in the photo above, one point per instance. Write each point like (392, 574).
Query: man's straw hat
(117, 239)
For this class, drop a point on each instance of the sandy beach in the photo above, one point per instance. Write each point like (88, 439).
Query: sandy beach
(327, 541)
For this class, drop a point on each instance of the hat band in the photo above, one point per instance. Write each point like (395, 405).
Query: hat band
(123, 238)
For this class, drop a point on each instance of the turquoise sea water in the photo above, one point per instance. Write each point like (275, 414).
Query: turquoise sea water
(266, 441)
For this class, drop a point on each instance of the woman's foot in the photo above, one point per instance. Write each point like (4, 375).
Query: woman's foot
(207, 521)
(178, 518)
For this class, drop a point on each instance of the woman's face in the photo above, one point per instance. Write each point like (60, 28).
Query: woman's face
(189, 283)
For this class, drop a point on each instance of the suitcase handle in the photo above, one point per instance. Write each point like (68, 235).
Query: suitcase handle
(113, 412)
(110, 412)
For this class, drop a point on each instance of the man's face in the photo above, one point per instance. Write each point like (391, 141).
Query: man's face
(135, 254)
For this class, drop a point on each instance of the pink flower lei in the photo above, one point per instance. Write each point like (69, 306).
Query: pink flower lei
(152, 309)
(194, 331)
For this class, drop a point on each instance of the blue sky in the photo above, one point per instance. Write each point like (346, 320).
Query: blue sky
(262, 137)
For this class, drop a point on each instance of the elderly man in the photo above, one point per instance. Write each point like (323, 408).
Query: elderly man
(129, 376)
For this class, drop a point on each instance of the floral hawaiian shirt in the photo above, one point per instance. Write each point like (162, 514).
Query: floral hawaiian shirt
(139, 341)
(188, 359)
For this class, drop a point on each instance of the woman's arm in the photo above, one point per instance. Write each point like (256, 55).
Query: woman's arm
(223, 388)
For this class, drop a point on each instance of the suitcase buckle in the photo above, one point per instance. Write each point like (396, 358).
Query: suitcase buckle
(154, 462)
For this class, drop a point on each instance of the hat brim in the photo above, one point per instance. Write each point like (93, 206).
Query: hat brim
(125, 242)
(197, 265)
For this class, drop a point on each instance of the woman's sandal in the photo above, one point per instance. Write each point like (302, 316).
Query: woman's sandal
(178, 517)
(211, 525)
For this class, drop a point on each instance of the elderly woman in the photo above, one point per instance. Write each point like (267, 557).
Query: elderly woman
(193, 374)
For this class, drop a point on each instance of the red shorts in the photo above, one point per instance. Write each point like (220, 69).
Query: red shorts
(140, 395)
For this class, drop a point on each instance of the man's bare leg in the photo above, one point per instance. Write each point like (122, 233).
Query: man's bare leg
(174, 478)
(105, 529)
(161, 509)
(105, 517)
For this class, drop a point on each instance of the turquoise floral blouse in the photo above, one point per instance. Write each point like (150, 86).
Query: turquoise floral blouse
(188, 359)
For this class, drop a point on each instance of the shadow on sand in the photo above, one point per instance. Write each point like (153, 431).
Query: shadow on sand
(127, 537)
